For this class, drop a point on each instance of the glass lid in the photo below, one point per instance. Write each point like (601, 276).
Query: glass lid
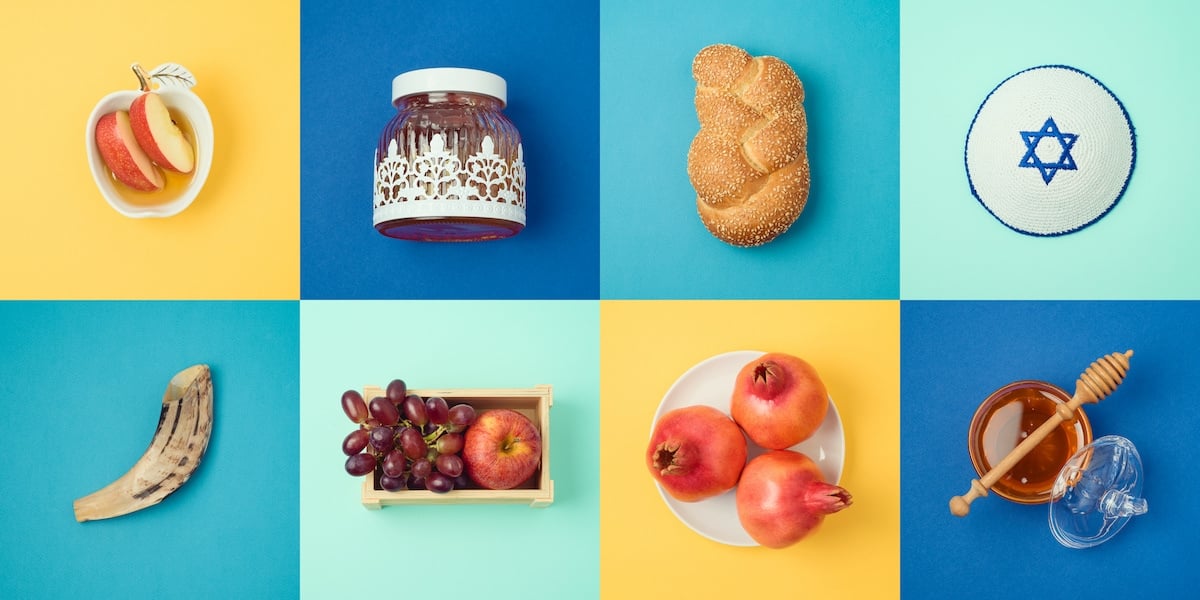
(1097, 491)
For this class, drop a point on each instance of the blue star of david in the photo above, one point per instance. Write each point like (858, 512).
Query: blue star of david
(1031, 159)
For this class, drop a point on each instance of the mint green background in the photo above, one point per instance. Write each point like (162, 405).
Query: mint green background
(492, 551)
(953, 53)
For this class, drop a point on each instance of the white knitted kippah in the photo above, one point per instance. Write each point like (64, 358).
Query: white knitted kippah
(1050, 151)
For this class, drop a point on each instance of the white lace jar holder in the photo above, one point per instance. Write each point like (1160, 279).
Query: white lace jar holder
(1050, 151)
(449, 165)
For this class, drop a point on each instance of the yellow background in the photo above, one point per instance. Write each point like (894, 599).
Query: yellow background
(241, 236)
(645, 552)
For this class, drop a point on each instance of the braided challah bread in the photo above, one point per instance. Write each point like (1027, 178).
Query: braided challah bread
(748, 162)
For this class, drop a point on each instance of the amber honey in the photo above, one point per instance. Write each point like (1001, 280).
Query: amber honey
(1005, 419)
(174, 184)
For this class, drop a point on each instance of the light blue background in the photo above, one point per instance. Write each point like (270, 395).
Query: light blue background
(954, 355)
(82, 386)
(953, 54)
(451, 551)
(846, 242)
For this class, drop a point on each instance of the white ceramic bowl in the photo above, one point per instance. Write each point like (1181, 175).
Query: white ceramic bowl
(181, 101)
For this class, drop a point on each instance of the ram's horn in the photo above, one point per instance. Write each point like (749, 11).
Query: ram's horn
(184, 427)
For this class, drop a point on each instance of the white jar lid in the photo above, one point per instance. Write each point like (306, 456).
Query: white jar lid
(450, 79)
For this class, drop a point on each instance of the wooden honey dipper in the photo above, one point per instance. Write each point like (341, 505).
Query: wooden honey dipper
(1094, 384)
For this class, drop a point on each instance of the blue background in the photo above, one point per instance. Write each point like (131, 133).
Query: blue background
(956, 353)
(547, 52)
(846, 242)
(82, 384)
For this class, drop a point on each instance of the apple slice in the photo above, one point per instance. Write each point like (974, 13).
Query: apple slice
(158, 135)
(122, 154)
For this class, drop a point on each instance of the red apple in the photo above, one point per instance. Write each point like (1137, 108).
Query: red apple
(158, 135)
(779, 400)
(122, 155)
(502, 449)
(782, 498)
(696, 452)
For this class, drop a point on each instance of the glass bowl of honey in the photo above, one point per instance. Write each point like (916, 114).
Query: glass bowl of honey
(1005, 419)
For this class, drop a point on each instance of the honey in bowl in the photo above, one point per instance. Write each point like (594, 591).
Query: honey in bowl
(174, 183)
(1005, 419)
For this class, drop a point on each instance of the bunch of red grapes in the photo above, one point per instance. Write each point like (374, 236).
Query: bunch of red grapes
(414, 441)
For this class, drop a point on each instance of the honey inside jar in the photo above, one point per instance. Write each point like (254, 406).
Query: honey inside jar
(174, 183)
(1009, 416)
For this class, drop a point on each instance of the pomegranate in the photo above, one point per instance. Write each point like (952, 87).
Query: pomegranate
(696, 452)
(779, 400)
(782, 498)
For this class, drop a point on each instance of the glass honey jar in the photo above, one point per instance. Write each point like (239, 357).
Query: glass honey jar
(449, 166)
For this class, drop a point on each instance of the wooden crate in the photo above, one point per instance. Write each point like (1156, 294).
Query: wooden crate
(538, 492)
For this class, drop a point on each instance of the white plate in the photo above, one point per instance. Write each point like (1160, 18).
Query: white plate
(711, 383)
